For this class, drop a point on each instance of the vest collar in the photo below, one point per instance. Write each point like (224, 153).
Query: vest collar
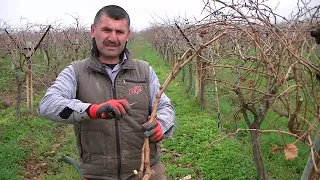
(128, 63)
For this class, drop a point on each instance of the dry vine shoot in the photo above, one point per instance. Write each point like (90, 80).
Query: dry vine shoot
(266, 66)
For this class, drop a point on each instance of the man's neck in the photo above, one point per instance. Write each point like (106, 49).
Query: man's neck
(108, 60)
(111, 66)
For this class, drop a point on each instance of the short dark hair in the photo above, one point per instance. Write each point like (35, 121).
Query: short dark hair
(113, 11)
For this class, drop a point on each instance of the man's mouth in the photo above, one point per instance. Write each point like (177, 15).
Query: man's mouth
(111, 45)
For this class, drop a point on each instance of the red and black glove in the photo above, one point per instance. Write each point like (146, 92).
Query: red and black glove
(153, 131)
(110, 109)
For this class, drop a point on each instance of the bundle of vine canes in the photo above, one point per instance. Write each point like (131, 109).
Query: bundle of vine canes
(145, 171)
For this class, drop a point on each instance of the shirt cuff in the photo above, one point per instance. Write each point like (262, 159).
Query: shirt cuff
(79, 111)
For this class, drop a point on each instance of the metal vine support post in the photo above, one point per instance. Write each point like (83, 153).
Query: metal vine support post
(145, 171)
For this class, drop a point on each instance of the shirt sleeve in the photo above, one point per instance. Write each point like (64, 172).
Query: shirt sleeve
(165, 111)
(62, 94)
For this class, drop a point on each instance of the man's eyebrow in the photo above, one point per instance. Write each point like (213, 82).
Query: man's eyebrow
(106, 27)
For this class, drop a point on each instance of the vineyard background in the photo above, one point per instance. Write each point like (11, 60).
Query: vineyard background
(251, 96)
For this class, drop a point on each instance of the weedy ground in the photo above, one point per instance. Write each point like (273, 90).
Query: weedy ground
(31, 147)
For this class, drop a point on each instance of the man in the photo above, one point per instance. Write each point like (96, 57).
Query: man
(108, 97)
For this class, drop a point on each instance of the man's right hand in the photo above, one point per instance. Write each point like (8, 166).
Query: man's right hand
(110, 109)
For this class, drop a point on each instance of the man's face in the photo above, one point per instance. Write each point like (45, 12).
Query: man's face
(111, 36)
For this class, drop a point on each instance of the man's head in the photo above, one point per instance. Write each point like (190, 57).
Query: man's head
(110, 32)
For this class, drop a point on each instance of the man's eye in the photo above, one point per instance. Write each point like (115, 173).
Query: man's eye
(106, 30)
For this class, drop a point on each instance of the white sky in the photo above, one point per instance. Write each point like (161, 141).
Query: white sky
(140, 11)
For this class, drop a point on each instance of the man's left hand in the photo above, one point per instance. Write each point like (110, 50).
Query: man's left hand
(153, 131)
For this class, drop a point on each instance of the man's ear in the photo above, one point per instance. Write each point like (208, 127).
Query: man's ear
(129, 35)
(92, 30)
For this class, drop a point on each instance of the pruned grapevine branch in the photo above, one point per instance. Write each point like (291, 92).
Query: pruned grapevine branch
(145, 171)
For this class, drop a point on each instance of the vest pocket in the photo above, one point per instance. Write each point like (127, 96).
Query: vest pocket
(94, 147)
(135, 81)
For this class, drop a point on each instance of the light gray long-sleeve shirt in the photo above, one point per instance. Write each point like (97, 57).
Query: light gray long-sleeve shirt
(63, 93)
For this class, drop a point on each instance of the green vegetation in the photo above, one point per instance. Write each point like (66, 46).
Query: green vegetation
(198, 129)
(6, 75)
(18, 140)
(35, 143)
(188, 152)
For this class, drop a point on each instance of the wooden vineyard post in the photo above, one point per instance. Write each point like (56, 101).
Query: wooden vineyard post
(29, 85)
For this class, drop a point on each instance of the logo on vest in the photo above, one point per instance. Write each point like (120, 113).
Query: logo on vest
(136, 90)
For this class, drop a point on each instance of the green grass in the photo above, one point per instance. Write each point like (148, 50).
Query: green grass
(6, 75)
(29, 141)
(193, 127)
(275, 163)
(60, 169)
(19, 138)
(188, 152)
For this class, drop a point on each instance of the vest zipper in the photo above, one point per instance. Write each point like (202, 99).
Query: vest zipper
(117, 134)
(114, 94)
(80, 144)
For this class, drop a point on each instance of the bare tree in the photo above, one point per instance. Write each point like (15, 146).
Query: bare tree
(25, 45)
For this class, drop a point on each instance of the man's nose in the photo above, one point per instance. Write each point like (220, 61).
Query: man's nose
(112, 36)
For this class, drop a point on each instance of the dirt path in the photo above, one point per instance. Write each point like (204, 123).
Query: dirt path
(7, 99)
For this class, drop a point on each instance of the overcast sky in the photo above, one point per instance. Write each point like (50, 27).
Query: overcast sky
(141, 11)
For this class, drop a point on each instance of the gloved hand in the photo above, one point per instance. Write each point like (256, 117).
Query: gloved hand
(153, 131)
(110, 109)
